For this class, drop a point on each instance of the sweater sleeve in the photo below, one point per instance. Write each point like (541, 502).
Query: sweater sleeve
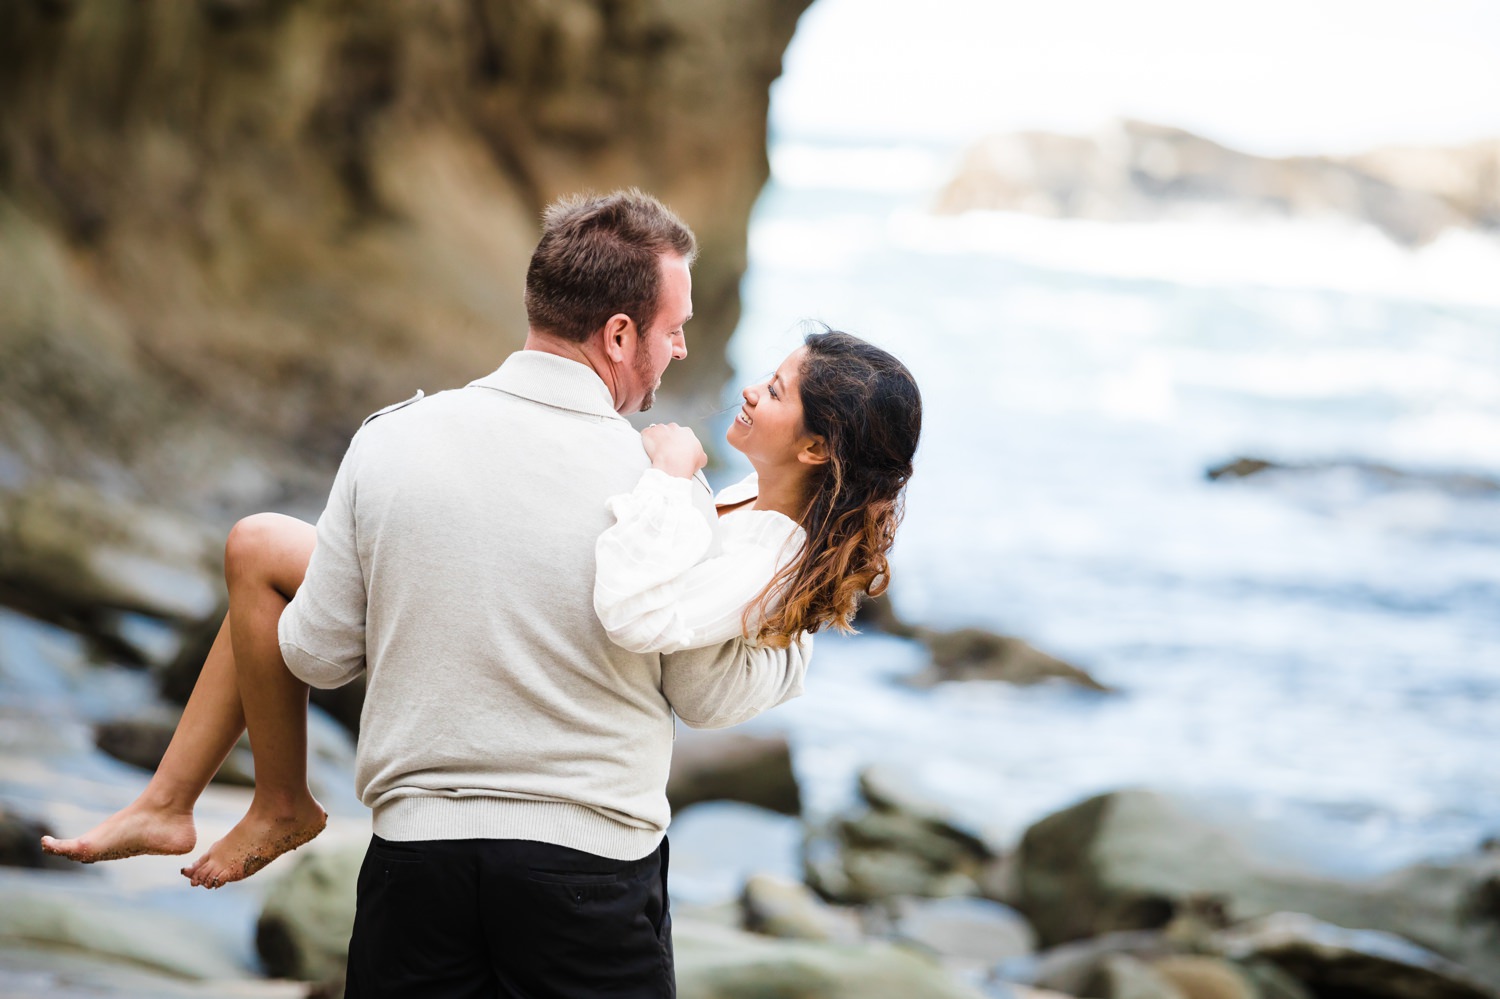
(654, 591)
(726, 684)
(322, 631)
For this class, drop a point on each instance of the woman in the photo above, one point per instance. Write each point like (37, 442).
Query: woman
(831, 436)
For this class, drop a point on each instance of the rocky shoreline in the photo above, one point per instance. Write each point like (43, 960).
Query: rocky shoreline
(1133, 894)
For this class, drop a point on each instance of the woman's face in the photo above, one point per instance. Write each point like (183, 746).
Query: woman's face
(768, 427)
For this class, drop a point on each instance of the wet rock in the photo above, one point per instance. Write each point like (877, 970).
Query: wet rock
(718, 963)
(1119, 976)
(904, 843)
(45, 915)
(1136, 171)
(878, 614)
(142, 742)
(1239, 468)
(20, 843)
(1383, 476)
(1272, 982)
(268, 324)
(1133, 859)
(1333, 961)
(972, 931)
(304, 926)
(175, 679)
(1204, 977)
(789, 909)
(976, 654)
(77, 557)
(1128, 859)
(883, 873)
(1072, 966)
(718, 845)
(31, 972)
(733, 766)
(939, 846)
(973, 653)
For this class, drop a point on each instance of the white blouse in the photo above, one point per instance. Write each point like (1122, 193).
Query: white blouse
(654, 590)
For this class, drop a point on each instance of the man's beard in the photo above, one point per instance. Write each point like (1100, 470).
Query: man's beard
(643, 372)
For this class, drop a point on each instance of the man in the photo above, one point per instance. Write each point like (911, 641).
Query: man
(515, 759)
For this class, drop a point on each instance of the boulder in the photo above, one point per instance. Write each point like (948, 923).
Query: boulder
(1070, 967)
(879, 614)
(1200, 976)
(84, 559)
(142, 742)
(976, 654)
(733, 766)
(1133, 859)
(168, 279)
(789, 909)
(31, 972)
(1139, 171)
(718, 963)
(304, 926)
(904, 843)
(1119, 976)
(1382, 476)
(20, 843)
(175, 679)
(45, 914)
(719, 845)
(972, 931)
(973, 653)
(1333, 961)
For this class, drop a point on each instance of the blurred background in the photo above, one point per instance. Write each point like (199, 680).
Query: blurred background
(1205, 305)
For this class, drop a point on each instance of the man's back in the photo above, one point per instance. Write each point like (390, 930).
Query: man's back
(497, 707)
(515, 759)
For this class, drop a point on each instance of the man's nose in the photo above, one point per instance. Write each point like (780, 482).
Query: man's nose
(679, 347)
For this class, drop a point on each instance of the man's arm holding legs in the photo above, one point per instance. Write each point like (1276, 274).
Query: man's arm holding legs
(322, 631)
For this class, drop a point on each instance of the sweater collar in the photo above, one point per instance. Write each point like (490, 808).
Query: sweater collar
(552, 381)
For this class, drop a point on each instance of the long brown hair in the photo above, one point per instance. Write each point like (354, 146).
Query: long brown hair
(865, 406)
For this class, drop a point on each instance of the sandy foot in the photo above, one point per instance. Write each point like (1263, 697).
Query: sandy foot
(254, 842)
(133, 830)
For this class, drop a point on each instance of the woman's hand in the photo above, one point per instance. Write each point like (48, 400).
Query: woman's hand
(673, 449)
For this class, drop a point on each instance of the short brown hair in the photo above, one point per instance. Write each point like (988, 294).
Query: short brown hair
(600, 255)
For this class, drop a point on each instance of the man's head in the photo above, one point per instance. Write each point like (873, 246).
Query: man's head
(611, 275)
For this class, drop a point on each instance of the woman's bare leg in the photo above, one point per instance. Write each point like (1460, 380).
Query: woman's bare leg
(160, 820)
(266, 559)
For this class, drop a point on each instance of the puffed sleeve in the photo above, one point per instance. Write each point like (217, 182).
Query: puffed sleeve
(654, 591)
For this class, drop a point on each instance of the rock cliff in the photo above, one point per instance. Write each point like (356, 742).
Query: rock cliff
(1140, 171)
(229, 228)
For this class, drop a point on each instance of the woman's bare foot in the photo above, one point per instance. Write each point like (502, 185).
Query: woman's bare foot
(133, 830)
(259, 838)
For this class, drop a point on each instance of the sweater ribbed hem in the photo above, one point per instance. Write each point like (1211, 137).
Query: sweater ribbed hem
(561, 823)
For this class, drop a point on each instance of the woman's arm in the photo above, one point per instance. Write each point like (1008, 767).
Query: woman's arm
(654, 591)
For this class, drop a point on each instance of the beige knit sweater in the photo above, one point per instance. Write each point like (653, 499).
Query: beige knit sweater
(455, 566)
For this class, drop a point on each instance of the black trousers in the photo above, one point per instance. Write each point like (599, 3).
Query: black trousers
(509, 918)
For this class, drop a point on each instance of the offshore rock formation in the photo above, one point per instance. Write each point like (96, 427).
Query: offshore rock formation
(231, 227)
(1140, 171)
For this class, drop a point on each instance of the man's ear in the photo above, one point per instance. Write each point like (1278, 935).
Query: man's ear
(619, 338)
(814, 451)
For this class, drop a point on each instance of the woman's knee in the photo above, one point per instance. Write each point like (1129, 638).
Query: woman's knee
(261, 546)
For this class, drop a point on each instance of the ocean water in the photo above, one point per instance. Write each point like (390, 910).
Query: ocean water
(1322, 648)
